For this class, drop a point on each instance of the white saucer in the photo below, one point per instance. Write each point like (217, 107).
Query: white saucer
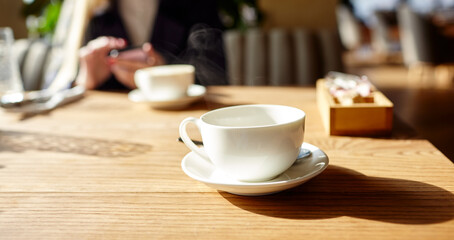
(194, 93)
(301, 171)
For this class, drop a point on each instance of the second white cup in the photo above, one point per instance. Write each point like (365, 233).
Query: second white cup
(166, 82)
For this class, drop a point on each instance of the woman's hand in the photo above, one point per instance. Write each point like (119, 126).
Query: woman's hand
(95, 66)
(127, 63)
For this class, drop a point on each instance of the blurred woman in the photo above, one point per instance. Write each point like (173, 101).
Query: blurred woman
(159, 32)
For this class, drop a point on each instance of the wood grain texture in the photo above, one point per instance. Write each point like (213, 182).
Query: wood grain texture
(105, 167)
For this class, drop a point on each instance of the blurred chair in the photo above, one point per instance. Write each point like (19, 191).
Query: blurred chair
(383, 40)
(416, 34)
(307, 57)
(331, 50)
(355, 38)
(349, 28)
(34, 62)
(280, 60)
(254, 58)
(233, 41)
(281, 57)
(421, 48)
(53, 63)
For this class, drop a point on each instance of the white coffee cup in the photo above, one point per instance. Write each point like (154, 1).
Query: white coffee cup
(166, 82)
(249, 142)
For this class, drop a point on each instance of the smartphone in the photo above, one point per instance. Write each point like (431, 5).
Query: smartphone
(129, 53)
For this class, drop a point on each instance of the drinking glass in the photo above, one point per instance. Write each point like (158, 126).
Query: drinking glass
(10, 80)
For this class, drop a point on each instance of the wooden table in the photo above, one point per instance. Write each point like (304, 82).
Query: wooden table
(105, 167)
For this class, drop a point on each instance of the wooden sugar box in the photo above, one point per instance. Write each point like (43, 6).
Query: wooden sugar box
(358, 119)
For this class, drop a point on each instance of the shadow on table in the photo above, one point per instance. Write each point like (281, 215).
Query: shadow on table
(343, 192)
(400, 130)
(13, 141)
(210, 102)
(429, 111)
(27, 116)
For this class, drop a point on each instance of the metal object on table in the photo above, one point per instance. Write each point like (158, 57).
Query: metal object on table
(200, 143)
(19, 99)
(40, 101)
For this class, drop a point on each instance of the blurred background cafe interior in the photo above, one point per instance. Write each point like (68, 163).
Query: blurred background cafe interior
(404, 47)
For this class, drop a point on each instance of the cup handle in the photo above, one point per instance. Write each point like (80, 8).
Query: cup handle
(187, 141)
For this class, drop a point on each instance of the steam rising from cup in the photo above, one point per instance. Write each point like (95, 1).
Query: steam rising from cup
(206, 53)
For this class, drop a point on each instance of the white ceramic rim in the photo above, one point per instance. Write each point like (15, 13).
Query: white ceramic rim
(252, 127)
(186, 68)
(198, 89)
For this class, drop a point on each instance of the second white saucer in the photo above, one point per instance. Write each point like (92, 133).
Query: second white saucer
(194, 93)
(301, 171)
